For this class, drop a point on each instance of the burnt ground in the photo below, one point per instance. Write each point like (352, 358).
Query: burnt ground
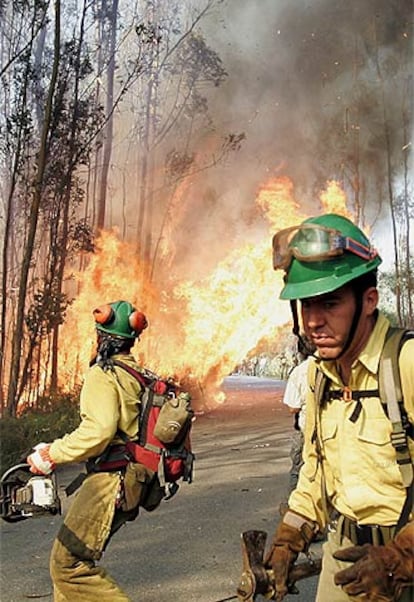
(188, 550)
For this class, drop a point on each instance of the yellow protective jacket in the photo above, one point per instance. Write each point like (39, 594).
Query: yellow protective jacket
(108, 401)
(361, 475)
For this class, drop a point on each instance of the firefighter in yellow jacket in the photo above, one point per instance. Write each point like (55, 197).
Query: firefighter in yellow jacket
(351, 477)
(108, 497)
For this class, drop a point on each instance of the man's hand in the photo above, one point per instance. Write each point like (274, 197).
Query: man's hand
(292, 536)
(40, 461)
(379, 572)
(281, 561)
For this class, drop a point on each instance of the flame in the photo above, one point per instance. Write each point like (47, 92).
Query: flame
(277, 200)
(198, 331)
(333, 199)
(174, 213)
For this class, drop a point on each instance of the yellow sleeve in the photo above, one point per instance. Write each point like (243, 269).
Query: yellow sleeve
(99, 410)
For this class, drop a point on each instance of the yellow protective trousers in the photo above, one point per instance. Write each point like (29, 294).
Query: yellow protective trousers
(104, 502)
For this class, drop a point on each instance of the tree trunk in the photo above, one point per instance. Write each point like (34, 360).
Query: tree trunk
(63, 238)
(12, 400)
(409, 321)
(389, 180)
(108, 133)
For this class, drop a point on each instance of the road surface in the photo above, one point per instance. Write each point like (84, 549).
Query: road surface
(188, 550)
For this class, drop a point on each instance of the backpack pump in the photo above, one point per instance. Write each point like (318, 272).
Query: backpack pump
(164, 420)
(164, 424)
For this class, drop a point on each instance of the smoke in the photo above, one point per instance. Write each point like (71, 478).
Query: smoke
(304, 85)
(303, 88)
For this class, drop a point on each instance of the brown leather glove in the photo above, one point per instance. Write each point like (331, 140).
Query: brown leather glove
(292, 536)
(380, 573)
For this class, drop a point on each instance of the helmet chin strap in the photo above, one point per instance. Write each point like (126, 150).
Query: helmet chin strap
(354, 325)
(307, 347)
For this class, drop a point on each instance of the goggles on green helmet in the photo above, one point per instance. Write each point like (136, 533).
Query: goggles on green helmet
(312, 242)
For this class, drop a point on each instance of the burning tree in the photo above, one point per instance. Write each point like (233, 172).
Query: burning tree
(55, 118)
(106, 134)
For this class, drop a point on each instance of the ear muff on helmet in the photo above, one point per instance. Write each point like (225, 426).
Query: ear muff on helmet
(103, 314)
(120, 319)
(138, 321)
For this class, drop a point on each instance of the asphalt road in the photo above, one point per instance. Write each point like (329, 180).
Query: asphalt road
(188, 550)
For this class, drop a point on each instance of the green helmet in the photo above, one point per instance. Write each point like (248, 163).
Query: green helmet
(321, 255)
(120, 319)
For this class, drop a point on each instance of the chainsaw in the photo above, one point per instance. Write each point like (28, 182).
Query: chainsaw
(257, 580)
(24, 495)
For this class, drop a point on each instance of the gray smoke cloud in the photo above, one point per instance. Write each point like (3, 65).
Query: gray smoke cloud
(303, 83)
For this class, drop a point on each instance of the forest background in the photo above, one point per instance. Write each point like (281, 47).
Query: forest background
(150, 149)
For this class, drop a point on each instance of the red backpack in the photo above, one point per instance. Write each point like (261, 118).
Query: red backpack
(165, 420)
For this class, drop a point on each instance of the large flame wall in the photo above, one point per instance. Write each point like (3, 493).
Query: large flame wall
(198, 330)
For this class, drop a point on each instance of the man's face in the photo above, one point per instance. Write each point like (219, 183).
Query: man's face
(327, 320)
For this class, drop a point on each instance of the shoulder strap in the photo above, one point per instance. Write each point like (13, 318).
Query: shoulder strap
(389, 373)
(320, 384)
(395, 339)
(391, 396)
(389, 382)
(140, 378)
(144, 411)
(321, 387)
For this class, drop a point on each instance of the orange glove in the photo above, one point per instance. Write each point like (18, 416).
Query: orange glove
(292, 536)
(40, 461)
(380, 573)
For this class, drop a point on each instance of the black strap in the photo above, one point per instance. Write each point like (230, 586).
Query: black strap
(354, 395)
(75, 484)
(349, 395)
(143, 415)
(378, 535)
(407, 508)
(356, 413)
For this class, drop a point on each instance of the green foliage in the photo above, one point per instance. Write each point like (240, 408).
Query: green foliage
(50, 420)
(81, 238)
(45, 312)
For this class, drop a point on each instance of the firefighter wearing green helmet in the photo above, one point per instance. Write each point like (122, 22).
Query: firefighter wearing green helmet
(357, 476)
(113, 490)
